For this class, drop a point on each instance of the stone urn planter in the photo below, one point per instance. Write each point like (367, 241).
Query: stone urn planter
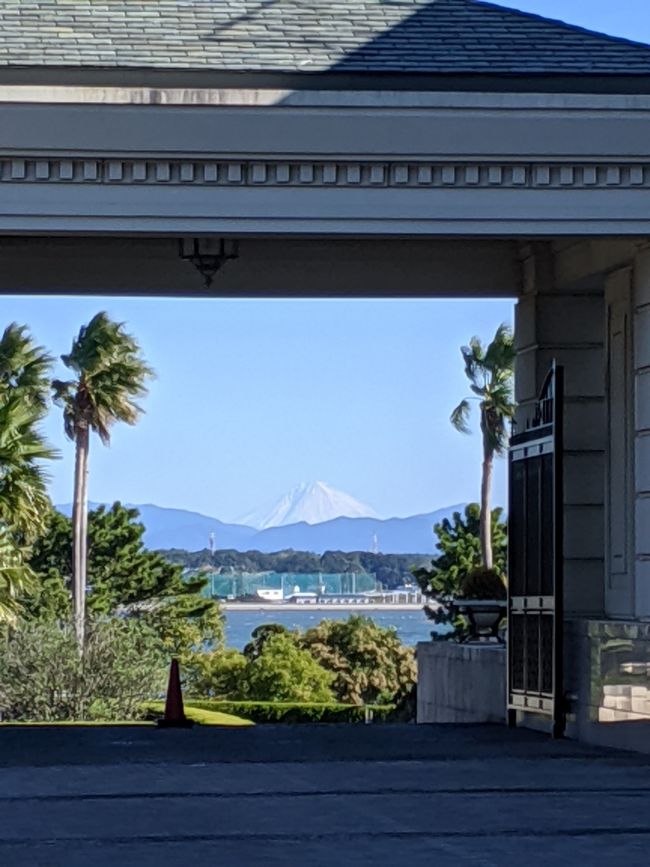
(483, 602)
(483, 616)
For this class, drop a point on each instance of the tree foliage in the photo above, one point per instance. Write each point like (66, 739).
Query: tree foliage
(124, 578)
(261, 634)
(273, 667)
(460, 554)
(369, 663)
(109, 376)
(283, 671)
(218, 673)
(24, 368)
(24, 385)
(390, 570)
(363, 663)
(490, 372)
(44, 677)
(16, 578)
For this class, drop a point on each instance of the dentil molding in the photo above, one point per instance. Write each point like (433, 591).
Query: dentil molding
(324, 173)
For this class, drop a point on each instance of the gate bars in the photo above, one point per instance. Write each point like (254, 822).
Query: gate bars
(535, 561)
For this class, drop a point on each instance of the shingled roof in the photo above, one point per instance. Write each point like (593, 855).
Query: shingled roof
(354, 36)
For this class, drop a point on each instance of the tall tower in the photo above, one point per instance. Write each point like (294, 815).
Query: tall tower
(374, 548)
(211, 544)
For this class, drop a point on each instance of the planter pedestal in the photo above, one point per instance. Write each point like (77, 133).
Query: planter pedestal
(461, 683)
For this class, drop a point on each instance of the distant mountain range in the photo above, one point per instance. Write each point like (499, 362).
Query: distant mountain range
(412, 535)
(191, 531)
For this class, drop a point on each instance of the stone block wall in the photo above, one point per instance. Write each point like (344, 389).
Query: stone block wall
(608, 682)
(461, 683)
(567, 324)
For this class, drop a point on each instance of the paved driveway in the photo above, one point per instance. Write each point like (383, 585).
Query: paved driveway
(318, 796)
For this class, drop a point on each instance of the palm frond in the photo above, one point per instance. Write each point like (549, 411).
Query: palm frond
(500, 354)
(476, 346)
(460, 417)
(111, 376)
(473, 366)
(23, 490)
(24, 367)
(490, 373)
(16, 578)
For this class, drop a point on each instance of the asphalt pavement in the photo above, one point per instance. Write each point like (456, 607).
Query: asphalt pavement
(318, 796)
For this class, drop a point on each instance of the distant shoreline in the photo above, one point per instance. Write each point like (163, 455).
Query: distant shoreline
(310, 606)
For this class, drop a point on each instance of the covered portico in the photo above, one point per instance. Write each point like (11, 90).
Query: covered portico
(510, 158)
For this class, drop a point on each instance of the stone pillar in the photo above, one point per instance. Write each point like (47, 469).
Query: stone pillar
(569, 326)
(619, 464)
(641, 301)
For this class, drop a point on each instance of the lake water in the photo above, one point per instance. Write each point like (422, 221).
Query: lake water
(412, 626)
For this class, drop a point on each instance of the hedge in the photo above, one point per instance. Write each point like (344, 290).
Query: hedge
(295, 712)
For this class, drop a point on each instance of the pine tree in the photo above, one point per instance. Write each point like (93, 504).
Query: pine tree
(124, 579)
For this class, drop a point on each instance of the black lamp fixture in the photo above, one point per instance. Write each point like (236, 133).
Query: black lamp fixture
(208, 255)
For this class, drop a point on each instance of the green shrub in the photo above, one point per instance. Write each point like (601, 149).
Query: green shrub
(284, 672)
(215, 673)
(483, 583)
(459, 548)
(295, 712)
(44, 678)
(368, 663)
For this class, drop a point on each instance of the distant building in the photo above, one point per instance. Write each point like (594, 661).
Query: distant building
(282, 585)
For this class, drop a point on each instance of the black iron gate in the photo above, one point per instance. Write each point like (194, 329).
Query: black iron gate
(535, 561)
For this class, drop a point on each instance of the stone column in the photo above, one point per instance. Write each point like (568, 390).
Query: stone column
(569, 326)
(619, 465)
(641, 301)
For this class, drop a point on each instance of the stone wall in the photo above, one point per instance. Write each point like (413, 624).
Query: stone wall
(608, 682)
(566, 323)
(461, 683)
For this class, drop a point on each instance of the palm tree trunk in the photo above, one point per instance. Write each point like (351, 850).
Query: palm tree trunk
(80, 533)
(485, 528)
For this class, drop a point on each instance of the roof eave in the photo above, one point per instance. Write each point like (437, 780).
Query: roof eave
(332, 79)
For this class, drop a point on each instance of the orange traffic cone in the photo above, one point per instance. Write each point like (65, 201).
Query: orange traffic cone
(174, 711)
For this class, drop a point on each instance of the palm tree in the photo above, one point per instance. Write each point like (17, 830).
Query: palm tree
(24, 368)
(490, 373)
(24, 504)
(15, 576)
(109, 374)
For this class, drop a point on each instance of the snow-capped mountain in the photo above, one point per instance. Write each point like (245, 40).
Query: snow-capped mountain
(311, 503)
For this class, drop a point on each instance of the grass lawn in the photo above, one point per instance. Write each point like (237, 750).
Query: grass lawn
(203, 717)
(85, 723)
(197, 715)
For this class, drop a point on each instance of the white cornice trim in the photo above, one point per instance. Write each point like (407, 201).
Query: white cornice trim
(325, 173)
(265, 97)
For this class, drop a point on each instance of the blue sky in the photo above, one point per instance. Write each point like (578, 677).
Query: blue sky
(253, 397)
(628, 18)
